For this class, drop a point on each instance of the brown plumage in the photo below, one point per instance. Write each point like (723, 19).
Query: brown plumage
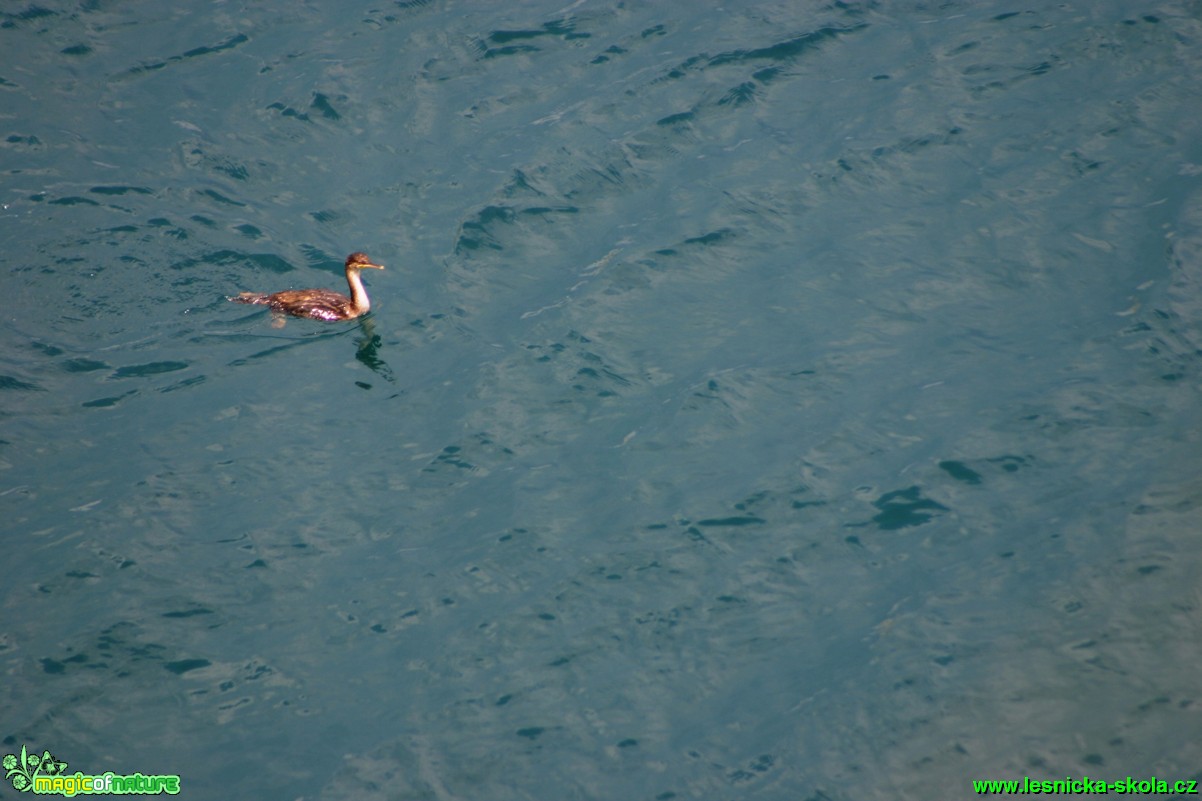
(320, 304)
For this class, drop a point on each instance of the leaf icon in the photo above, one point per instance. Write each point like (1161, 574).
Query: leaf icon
(23, 771)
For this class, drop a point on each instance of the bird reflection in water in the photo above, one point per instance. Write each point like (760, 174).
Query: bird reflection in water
(368, 352)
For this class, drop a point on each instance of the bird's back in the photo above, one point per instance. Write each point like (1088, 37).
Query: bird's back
(317, 304)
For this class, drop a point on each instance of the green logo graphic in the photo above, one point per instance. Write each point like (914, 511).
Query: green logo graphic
(28, 767)
(46, 775)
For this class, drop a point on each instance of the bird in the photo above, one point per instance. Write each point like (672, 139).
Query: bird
(320, 304)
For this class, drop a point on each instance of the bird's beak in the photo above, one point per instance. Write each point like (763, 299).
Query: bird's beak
(377, 266)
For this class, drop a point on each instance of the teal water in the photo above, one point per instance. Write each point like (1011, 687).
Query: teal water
(762, 401)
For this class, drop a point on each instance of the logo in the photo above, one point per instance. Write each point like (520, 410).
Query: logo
(47, 775)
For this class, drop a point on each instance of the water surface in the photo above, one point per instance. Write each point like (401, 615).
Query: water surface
(762, 400)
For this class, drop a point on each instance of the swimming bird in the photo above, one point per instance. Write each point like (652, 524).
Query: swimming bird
(320, 304)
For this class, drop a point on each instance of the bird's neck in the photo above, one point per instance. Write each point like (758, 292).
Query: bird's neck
(358, 293)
